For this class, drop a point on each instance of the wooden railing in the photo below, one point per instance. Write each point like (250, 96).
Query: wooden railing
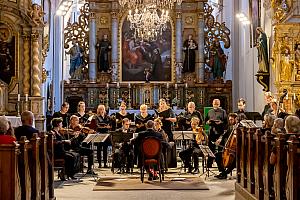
(24, 169)
(257, 178)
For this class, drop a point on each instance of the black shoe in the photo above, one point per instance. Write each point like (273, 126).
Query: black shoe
(72, 178)
(105, 166)
(155, 177)
(222, 176)
(91, 172)
(150, 178)
(99, 165)
(196, 171)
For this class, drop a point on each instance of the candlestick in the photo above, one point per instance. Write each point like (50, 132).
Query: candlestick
(19, 97)
(26, 97)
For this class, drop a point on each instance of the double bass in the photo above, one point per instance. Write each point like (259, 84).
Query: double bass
(229, 151)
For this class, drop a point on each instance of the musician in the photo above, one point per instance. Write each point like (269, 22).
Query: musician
(76, 142)
(63, 113)
(102, 121)
(276, 110)
(232, 119)
(122, 114)
(167, 116)
(191, 112)
(241, 104)
(123, 155)
(72, 159)
(83, 117)
(268, 99)
(142, 118)
(217, 120)
(193, 150)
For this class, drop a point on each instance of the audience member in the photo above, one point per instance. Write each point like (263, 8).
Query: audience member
(4, 126)
(26, 129)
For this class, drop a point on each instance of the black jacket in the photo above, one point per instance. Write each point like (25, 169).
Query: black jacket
(25, 130)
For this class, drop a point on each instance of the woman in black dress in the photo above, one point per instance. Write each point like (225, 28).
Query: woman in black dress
(121, 115)
(142, 118)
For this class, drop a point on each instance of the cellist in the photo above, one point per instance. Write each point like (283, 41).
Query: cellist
(232, 122)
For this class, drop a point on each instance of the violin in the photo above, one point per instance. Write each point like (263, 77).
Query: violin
(229, 151)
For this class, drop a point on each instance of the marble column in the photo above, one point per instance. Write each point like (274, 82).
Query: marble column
(114, 49)
(179, 44)
(92, 48)
(200, 65)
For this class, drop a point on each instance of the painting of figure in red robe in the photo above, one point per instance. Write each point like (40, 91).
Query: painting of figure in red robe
(146, 59)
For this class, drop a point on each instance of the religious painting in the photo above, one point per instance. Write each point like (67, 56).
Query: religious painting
(255, 19)
(146, 60)
(7, 54)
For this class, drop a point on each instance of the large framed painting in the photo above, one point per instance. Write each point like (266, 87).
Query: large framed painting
(254, 9)
(146, 60)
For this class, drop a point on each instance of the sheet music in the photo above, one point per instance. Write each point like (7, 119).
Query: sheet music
(248, 123)
(180, 135)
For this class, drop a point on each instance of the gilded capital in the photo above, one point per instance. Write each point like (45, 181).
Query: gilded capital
(35, 36)
(178, 15)
(92, 15)
(114, 15)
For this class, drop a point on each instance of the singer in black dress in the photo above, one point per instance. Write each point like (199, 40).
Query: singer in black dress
(142, 118)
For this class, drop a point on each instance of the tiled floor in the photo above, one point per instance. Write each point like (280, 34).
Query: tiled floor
(218, 189)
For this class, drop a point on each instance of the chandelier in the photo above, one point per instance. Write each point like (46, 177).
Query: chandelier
(149, 22)
(162, 4)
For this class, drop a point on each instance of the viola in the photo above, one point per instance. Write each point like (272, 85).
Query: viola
(229, 151)
(200, 135)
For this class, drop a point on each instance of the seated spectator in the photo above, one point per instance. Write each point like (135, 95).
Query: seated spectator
(4, 126)
(278, 126)
(26, 129)
(268, 122)
(292, 125)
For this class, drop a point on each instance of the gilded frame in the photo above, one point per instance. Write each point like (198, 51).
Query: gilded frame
(122, 17)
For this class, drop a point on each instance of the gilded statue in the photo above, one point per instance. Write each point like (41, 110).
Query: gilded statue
(262, 47)
(36, 13)
(286, 66)
(297, 60)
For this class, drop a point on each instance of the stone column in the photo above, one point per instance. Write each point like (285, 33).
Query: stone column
(179, 44)
(92, 46)
(200, 64)
(26, 63)
(114, 47)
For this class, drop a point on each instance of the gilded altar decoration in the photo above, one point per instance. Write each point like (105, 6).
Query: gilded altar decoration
(297, 60)
(286, 65)
(215, 33)
(36, 13)
(36, 81)
(79, 32)
(45, 48)
(281, 9)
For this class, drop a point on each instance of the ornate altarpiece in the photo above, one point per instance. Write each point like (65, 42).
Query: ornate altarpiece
(21, 33)
(192, 17)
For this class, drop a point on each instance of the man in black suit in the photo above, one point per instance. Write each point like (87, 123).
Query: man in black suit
(139, 139)
(26, 129)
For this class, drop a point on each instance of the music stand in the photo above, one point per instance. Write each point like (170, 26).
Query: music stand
(207, 153)
(253, 116)
(183, 135)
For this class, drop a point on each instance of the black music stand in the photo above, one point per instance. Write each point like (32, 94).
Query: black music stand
(207, 153)
(183, 135)
(253, 116)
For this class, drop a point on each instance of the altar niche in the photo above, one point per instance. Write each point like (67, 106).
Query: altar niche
(144, 60)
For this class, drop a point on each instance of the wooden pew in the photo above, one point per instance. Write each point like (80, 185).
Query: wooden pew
(293, 173)
(50, 150)
(24, 170)
(35, 167)
(250, 160)
(258, 165)
(10, 188)
(44, 167)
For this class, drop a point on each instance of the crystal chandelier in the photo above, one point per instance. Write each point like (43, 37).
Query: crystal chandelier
(149, 22)
(161, 4)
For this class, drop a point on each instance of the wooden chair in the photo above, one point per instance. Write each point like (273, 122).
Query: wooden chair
(151, 155)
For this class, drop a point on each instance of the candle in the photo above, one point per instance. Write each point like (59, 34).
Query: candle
(287, 96)
(107, 85)
(118, 84)
(129, 85)
(19, 97)
(175, 86)
(167, 85)
(26, 97)
(186, 85)
(294, 96)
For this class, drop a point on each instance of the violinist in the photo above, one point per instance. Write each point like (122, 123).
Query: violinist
(83, 117)
(232, 119)
(63, 113)
(102, 122)
(268, 99)
(121, 115)
(71, 158)
(76, 142)
(185, 122)
(194, 150)
(142, 118)
(123, 155)
(217, 120)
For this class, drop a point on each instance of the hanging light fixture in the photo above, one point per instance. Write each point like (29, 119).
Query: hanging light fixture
(161, 4)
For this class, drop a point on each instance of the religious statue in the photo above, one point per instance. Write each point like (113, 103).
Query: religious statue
(217, 60)
(189, 47)
(286, 66)
(76, 60)
(104, 47)
(179, 72)
(114, 74)
(262, 47)
(36, 13)
(6, 60)
(157, 70)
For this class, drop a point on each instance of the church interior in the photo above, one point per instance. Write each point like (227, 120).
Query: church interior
(146, 99)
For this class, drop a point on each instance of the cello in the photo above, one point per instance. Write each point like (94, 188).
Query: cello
(229, 151)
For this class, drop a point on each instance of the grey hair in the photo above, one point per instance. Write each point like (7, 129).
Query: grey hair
(292, 124)
(4, 126)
